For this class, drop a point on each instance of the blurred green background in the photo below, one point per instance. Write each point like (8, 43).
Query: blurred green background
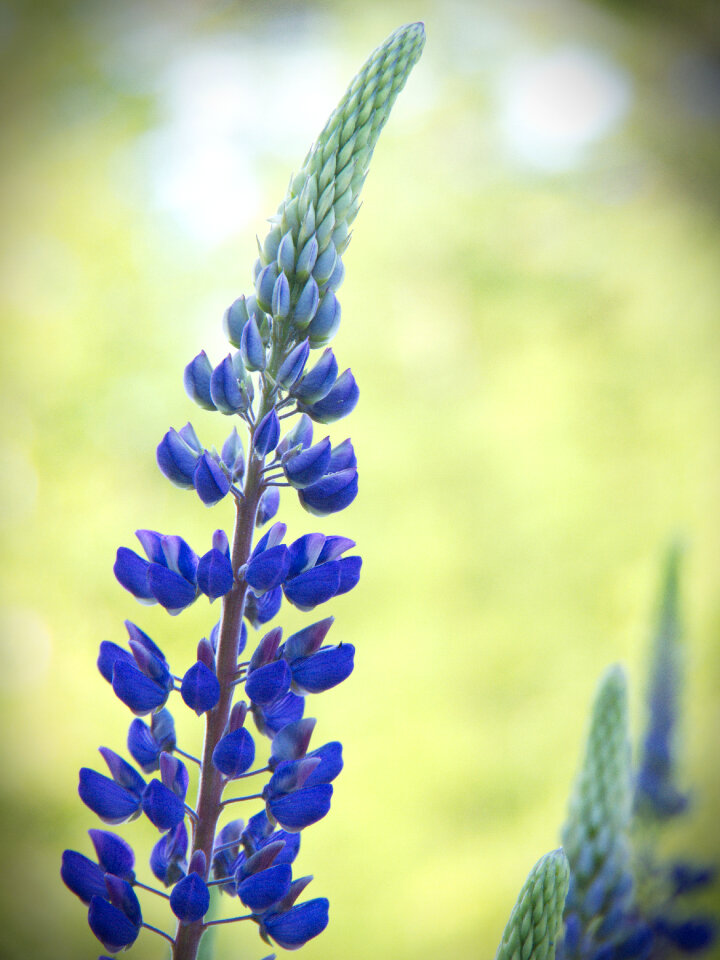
(531, 310)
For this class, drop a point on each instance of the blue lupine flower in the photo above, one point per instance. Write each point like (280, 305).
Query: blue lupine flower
(296, 926)
(200, 688)
(115, 921)
(294, 310)
(337, 403)
(197, 381)
(168, 860)
(190, 898)
(210, 481)
(177, 459)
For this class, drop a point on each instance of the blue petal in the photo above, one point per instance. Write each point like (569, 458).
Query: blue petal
(268, 506)
(272, 719)
(109, 655)
(200, 688)
(176, 459)
(179, 557)
(349, 573)
(334, 547)
(330, 755)
(197, 381)
(313, 587)
(251, 345)
(82, 876)
(131, 572)
(268, 569)
(331, 494)
(170, 589)
(268, 683)
(261, 890)
(111, 802)
(114, 854)
(304, 553)
(210, 481)
(324, 669)
(339, 402)
(293, 365)
(214, 574)
(267, 433)
(326, 321)
(190, 898)
(299, 924)
(319, 381)
(260, 610)
(122, 772)
(224, 388)
(110, 925)
(302, 807)
(309, 465)
(342, 457)
(162, 807)
(137, 691)
(307, 641)
(234, 753)
(168, 858)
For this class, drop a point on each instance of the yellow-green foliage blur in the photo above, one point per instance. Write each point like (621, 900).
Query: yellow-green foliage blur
(531, 311)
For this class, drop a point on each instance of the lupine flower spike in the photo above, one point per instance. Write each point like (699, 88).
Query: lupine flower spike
(531, 932)
(596, 833)
(268, 378)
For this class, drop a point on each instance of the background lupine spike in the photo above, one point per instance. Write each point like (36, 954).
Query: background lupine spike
(596, 834)
(323, 198)
(656, 793)
(532, 929)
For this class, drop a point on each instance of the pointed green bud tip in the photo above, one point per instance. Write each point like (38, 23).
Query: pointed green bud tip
(534, 923)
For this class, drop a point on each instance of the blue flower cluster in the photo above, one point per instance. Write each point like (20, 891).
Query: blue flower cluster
(267, 379)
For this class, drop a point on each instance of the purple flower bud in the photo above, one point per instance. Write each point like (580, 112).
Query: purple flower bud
(337, 403)
(163, 808)
(168, 858)
(252, 347)
(111, 926)
(281, 298)
(114, 854)
(267, 434)
(111, 802)
(307, 466)
(174, 775)
(260, 610)
(264, 286)
(293, 365)
(292, 741)
(176, 459)
(316, 384)
(324, 669)
(197, 381)
(190, 898)
(234, 319)
(314, 586)
(306, 259)
(268, 506)
(237, 715)
(286, 254)
(143, 747)
(268, 569)
(337, 276)
(214, 574)
(307, 304)
(82, 876)
(234, 753)
(200, 688)
(210, 481)
(326, 321)
(261, 890)
(307, 641)
(342, 457)
(331, 494)
(225, 390)
(296, 926)
(233, 456)
(268, 683)
(267, 650)
(325, 264)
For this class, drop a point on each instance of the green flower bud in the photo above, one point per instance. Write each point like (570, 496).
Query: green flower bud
(532, 929)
